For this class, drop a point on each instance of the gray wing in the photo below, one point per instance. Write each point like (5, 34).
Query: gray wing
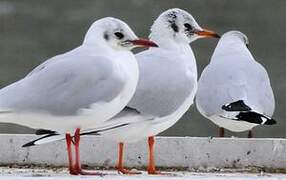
(64, 86)
(262, 92)
(216, 87)
(43, 65)
(53, 59)
(224, 83)
(163, 84)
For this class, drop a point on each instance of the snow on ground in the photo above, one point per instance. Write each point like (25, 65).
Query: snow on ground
(62, 174)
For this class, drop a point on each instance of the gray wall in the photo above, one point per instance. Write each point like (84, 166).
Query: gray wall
(32, 31)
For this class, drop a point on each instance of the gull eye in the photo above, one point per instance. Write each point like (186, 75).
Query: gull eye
(188, 26)
(119, 35)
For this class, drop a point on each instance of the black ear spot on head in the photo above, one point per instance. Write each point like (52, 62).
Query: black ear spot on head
(175, 27)
(106, 36)
(172, 16)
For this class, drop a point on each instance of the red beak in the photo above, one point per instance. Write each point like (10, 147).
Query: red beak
(207, 33)
(144, 43)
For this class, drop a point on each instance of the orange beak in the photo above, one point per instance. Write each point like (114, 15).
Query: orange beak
(207, 33)
(143, 43)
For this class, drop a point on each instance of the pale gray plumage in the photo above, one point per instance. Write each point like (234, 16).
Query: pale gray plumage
(163, 84)
(167, 81)
(80, 88)
(232, 75)
(61, 88)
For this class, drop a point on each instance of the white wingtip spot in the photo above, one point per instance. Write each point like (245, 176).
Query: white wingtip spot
(263, 120)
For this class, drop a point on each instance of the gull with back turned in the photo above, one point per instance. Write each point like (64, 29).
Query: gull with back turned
(234, 90)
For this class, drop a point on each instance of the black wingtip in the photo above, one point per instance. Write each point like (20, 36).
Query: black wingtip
(236, 106)
(32, 143)
(256, 118)
(270, 122)
(44, 131)
(97, 132)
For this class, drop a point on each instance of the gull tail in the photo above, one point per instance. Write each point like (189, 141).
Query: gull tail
(239, 111)
(45, 139)
(124, 118)
(51, 136)
(256, 118)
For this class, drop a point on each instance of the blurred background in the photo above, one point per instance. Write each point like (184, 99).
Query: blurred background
(32, 31)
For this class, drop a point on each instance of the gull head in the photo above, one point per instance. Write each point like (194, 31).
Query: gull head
(178, 25)
(235, 36)
(115, 34)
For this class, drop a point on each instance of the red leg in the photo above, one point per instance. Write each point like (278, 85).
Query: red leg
(77, 157)
(69, 149)
(120, 167)
(151, 166)
(151, 169)
(77, 153)
(221, 132)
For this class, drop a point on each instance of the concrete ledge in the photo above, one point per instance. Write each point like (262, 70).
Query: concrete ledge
(192, 152)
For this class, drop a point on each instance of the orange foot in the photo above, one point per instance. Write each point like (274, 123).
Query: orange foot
(155, 172)
(79, 171)
(91, 173)
(128, 172)
(73, 172)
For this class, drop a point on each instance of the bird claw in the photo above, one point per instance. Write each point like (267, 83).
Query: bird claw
(90, 173)
(85, 173)
(155, 172)
(128, 172)
(73, 172)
